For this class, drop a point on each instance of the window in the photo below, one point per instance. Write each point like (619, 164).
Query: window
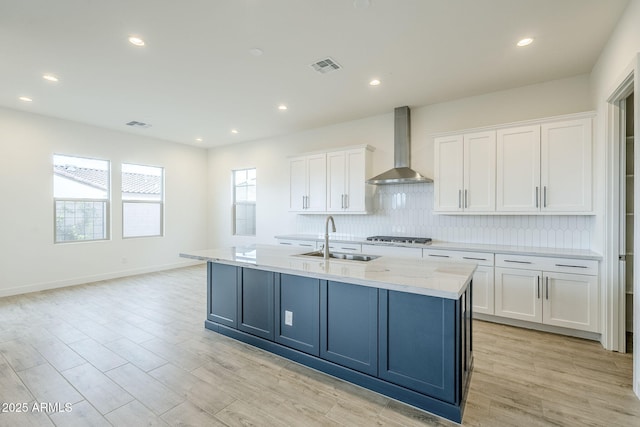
(142, 201)
(81, 198)
(244, 202)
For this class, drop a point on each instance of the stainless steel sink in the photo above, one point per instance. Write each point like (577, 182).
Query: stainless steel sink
(342, 255)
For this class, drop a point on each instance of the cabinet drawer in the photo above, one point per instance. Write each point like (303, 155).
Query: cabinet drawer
(344, 247)
(571, 265)
(559, 265)
(524, 262)
(480, 258)
(302, 243)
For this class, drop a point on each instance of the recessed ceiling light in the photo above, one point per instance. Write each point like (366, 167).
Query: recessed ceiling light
(50, 77)
(282, 107)
(256, 51)
(361, 4)
(374, 82)
(198, 139)
(25, 99)
(137, 41)
(525, 42)
(234, 130)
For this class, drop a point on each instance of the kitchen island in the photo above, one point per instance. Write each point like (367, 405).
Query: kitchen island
(396, 326)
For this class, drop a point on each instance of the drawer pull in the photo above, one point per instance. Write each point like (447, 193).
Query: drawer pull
(571, 266)
(285, 243)
(304, 244)
(517, 262)
(348, 249)
(440, 256)
(476, 259)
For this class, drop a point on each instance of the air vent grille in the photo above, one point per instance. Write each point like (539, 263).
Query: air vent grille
(136, 124)
(326, 65)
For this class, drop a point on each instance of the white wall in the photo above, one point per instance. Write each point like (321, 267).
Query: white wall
(619, 54)
(31, 261)
(270, 157)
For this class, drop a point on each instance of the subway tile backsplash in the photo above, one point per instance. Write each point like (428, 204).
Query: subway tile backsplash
(407, 209)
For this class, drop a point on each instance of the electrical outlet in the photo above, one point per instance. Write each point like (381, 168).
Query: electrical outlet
(288, 318)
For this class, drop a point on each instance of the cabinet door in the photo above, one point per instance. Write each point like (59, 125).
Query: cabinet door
(518, 174)
(355, 185)
(336, 181)
(349, 325)
(570, 300)
(417, 343)
(222, 293)
(255, 303)
(316, 183)
(297, 302)
(483, 290)
(518, 294)
(566, 166)
(448, 173)
(297, 184)
(479, 172)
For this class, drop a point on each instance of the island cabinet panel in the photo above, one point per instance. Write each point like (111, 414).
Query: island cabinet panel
(349, 325)
(223, 294)
(418, 343)
(255, 303)
(297, 302)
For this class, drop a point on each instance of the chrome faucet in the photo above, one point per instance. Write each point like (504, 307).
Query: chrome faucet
(326, 235)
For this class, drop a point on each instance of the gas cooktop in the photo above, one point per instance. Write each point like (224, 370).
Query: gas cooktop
(400, 239)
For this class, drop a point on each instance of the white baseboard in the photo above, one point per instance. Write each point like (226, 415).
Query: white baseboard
(538, 327)
(44, 286)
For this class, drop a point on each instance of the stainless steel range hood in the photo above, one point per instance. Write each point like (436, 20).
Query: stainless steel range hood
(402, 172)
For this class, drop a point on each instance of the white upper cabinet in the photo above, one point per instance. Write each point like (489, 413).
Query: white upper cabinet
(333, 181)
(465, 172)
(545, 168)
(565, 168)
(518, 174)
(347, 172)
(448, 173)
(308, 183)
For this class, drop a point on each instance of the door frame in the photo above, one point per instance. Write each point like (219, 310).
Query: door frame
(613, 301)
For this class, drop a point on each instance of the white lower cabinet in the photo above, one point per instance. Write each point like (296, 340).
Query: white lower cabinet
(547, 291)
(483, 282)
(311, 244)
(395, 251)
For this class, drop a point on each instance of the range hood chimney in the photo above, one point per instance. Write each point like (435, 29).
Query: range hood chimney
(401, 173)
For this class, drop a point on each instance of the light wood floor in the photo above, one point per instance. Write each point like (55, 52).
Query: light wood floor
(134, 352)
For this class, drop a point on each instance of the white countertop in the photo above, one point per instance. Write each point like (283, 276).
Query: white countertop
(443, 280)
(476, 247)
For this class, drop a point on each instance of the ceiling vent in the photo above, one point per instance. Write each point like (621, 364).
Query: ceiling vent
(325, 66)
(136, 124)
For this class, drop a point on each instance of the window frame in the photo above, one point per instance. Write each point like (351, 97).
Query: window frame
(235, 203)
(106, 201)
(161, 202)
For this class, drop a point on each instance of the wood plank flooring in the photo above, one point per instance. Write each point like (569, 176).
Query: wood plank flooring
(134, 352)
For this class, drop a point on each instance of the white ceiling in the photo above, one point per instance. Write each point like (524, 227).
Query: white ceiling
(196, 77)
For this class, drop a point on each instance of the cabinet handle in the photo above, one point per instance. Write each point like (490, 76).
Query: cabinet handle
(546, 283)
(537, 197)
(475, 259)
(459, 199)
(517, 262)
(285, 243)
(440, 256)
(348, 249)
(571, 266)
(545, 196)
(538, 287)
(306, 245)
(346, 201)
(307, 202)
(466, 204)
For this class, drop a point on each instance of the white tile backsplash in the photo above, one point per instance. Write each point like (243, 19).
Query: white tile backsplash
(407, 209)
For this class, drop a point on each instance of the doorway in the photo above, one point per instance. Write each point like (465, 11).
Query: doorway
(627, 207)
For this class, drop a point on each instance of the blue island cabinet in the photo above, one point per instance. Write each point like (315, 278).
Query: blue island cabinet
(410, 347)
(349, 326)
